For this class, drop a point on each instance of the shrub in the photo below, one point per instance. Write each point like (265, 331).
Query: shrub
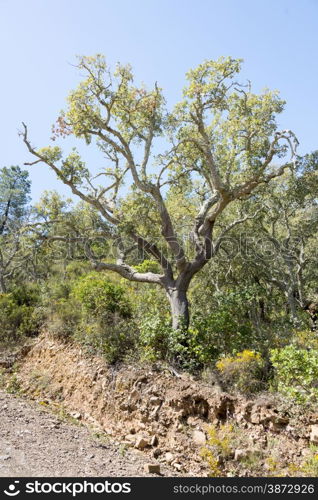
(19, 319)
(63, 318)
(155, 331)
(219, 447)
(114, 343)
(244, 372)
(100, 297)
(218, 332)
(296, 373)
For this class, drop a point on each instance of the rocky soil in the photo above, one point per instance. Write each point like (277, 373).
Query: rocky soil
(155, 415)
(34, 442)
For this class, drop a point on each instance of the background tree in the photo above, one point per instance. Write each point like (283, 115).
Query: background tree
(219, 145)
(14, 197)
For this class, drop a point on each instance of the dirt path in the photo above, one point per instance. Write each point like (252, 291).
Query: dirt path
(34, 442)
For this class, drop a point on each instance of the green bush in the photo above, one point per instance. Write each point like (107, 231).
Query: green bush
(155, 331)
(63, 318)
(101, 298)
(244, 372)
(114, 342)
(19, 319)
(296, 373)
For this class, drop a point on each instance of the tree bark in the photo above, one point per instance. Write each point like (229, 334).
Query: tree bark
(292, 306)
(179, 308)
(3, 288)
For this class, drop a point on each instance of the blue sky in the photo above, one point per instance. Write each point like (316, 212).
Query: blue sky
(39, 40)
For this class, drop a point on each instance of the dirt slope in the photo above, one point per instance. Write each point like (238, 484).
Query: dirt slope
(153, 415)
(34, 442)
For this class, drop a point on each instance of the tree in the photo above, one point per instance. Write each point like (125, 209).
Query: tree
(218, 147)
(14, 197)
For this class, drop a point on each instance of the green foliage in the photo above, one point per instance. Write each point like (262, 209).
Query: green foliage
(148, 266)
(100, 297)
(296, 373)
(218, 332)
(115, 342)
(155, 333)
(14, 195)
(20, 316)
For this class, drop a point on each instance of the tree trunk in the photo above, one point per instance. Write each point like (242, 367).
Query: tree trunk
(292, 306)
(179, 309)
(3, 288)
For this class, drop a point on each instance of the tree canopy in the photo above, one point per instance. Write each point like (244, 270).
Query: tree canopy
(220, 145)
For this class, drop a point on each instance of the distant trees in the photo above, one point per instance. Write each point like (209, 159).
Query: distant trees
(14, 197)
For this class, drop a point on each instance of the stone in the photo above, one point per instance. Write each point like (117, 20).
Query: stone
(169, 457)
(155, 401)
(177, 466)
(314, 434)
(141, 443)
(199, 438)
(152, 468)
(134, 396)
(130, 438)
(154, 441)
(240, 455)
(156, 453)
(76, 415)
(275, 427)
(255, 418)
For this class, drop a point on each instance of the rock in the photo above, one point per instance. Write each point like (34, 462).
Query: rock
(155, 401)
(314, 434)
(169, 457)
(5, 457)
(76, 415)
(134, 396)
(255, 418)
(177, 466)
(156, 453)
(154, 441)
(155, 411)
(240, 455)
(276, 427)
(130, 438)
(199, 438)
(152, 468)
(141, 443)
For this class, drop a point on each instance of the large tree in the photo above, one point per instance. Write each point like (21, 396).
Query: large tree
(218, 146)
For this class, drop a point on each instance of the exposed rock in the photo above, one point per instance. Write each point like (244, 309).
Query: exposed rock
(141, 443)
(169, 457)
(156, 453)
(154, 441)
(76, 415)
(177, 466)
(242, 454)
(314, 434)
(199, 438)
(152, 468)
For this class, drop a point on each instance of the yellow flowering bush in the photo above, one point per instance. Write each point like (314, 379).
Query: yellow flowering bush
(243, 372)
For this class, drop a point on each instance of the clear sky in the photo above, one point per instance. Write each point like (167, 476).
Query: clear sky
(162, 39)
